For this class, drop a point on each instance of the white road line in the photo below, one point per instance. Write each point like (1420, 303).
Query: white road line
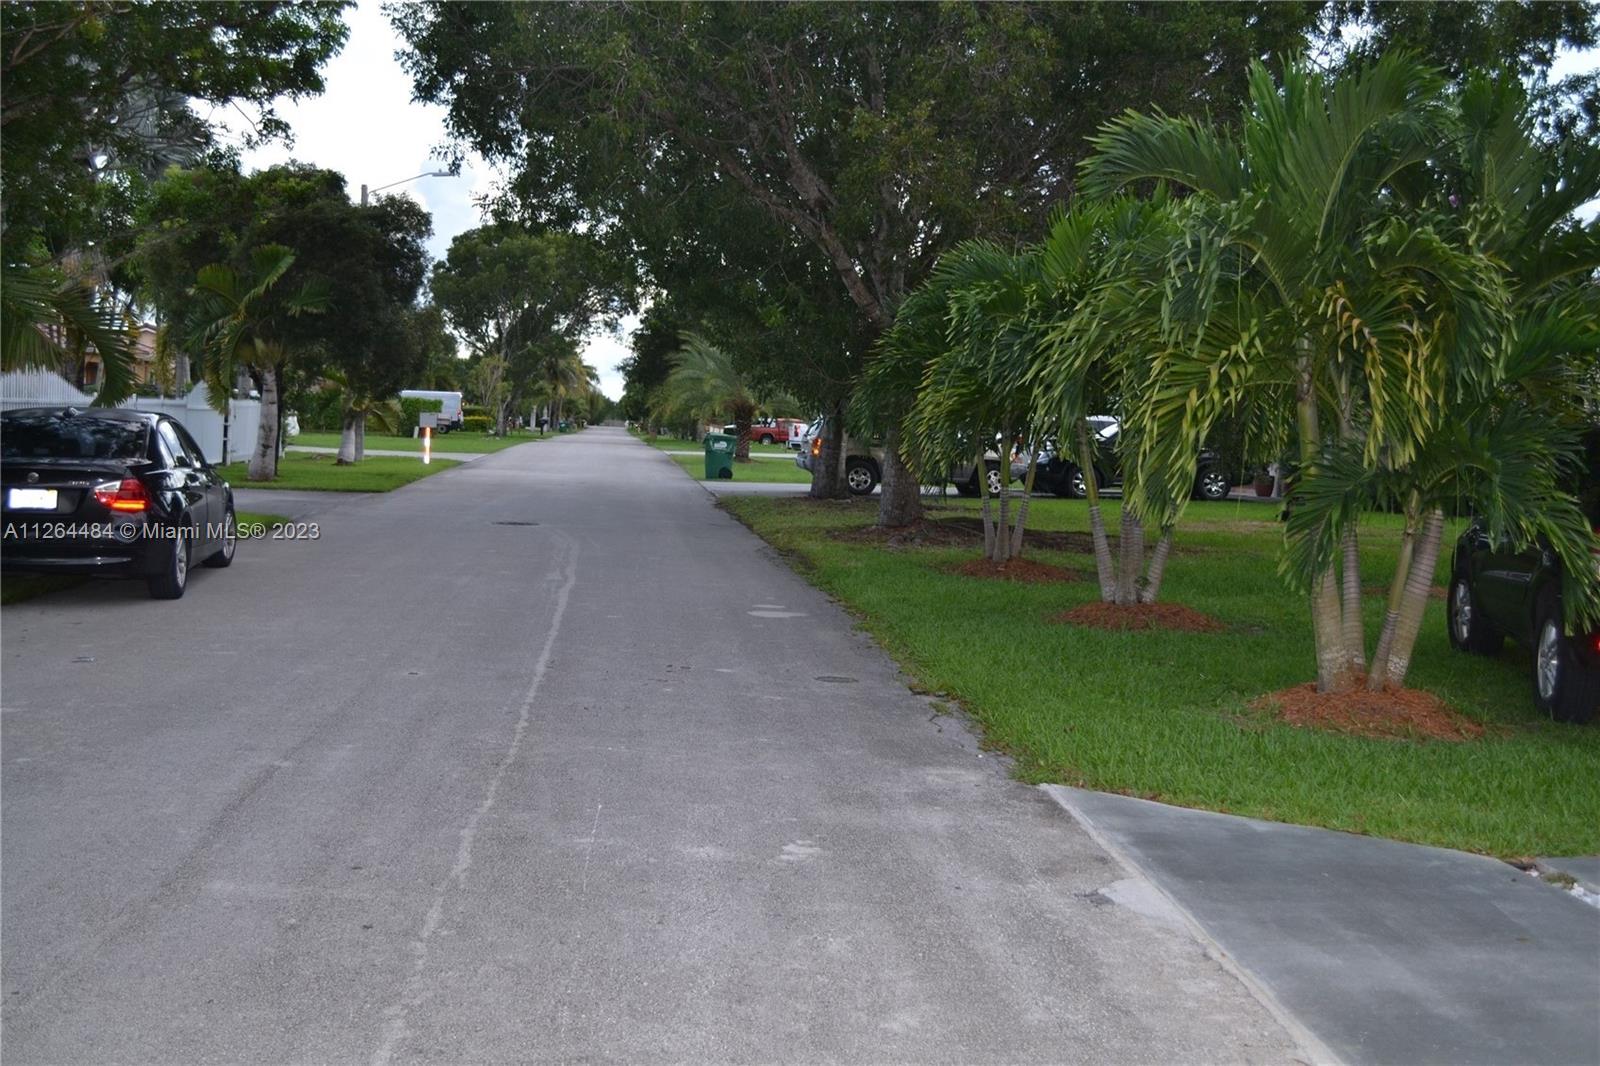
(395, 1030)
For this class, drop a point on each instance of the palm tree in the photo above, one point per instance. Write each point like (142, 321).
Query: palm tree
(41, 309)
(703, 384)
(234, 321)
(561, 374)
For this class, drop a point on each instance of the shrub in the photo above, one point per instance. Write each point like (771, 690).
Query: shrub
(476, 423)
(321, 411)
(411, 409)
(468, 410)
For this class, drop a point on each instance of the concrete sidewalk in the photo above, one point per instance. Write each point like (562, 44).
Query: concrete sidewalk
(438, 453)
(1386, 952)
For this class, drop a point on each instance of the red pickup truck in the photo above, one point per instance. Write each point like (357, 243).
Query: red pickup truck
(772, 431)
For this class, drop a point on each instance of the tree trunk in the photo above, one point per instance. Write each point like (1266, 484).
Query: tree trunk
(1158, 568)
(1397, 586)
(1027, 498)
(1419, 584)
(347, 440)
(1002, 540)
(264, 461)
(1130, 557)
(1327, 620)
(741, 427)
(1097, 522)
(900, 501)
(361, 437)
(1355, 638)
(827, 473)
(984, 508)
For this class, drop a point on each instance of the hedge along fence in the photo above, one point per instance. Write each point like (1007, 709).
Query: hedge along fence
(475, 423)
(411, 411)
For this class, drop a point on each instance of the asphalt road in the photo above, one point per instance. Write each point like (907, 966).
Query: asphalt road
(543, 758)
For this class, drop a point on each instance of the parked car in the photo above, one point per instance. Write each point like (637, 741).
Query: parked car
(1504, 590)
(113, 493)
(1061, 474)
(798, 435)
(450, 416)
(863, 461)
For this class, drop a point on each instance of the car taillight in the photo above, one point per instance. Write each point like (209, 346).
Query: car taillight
(126, 495)
(816, 447)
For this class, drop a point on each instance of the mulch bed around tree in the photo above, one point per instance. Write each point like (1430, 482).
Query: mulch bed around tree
(1024, 570)
(1141, 616)
(1394, 714)
(962, 531)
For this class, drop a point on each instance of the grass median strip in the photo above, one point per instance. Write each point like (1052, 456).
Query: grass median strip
(766, 472)
(459, 441)
(310, 471)
(1167, 715)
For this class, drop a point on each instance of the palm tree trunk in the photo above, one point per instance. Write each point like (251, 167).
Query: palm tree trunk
(1158, 567)
(1097, 522)
(1002, 540)
(1419, 583)
(361, 437)
(741, 426)
(1355, 640)
(1027, 498)
(264, 461)
(988, 516)
(1397, 585)
(1130, 556)
(347, 439)
(1327, 620)
(900, 500)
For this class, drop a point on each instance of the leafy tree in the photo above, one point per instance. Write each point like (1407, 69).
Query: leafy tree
(238, 319)
(526, 297)
(876, 137)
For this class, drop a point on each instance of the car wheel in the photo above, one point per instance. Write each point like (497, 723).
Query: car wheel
(860, 476)
(174, 576)
(766, 438)
(1470, 630)
(996, 479)
(1212, 484)
(1073, 485)
(1562, 686)
(230, 542)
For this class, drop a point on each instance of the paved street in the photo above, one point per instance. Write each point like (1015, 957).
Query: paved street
(544, 758)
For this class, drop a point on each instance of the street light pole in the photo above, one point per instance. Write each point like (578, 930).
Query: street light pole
(402, 181)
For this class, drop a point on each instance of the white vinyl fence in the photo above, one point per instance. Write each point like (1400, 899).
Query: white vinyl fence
(41, 388)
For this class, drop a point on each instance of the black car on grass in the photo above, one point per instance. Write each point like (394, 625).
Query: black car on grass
(111, 493)
(1060, 474)
(1505, 590)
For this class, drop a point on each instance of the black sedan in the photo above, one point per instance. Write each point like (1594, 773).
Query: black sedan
(1501, 590)
(111, 493)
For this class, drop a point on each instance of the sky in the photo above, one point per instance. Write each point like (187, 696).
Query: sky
(367, 127)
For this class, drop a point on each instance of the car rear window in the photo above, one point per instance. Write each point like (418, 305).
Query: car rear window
(56, 436)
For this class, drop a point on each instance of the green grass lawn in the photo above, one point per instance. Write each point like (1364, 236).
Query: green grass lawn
(309, 470)
(459, 441)
(763, 470)
(19, 587)
(1164, 715)
(677, 444)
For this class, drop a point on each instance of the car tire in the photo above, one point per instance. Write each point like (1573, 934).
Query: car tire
(1073, 486)
(223, 557)
(1563, 687)
(1470, 630)
(860, 477)
(1212, 484)
(968, 487)
(766, 438)
(174, 576)
(996, 478)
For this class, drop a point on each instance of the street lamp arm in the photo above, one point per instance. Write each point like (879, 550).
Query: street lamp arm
(365, 192)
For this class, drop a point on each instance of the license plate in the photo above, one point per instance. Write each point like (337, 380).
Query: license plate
(31, 499)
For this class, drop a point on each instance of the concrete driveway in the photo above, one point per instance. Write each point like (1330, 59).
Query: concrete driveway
(544, 758)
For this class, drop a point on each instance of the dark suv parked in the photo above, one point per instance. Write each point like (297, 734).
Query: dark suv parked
(1499, 591)
(1060, 474)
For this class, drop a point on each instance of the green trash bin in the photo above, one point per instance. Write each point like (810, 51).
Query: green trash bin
(719, 455)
